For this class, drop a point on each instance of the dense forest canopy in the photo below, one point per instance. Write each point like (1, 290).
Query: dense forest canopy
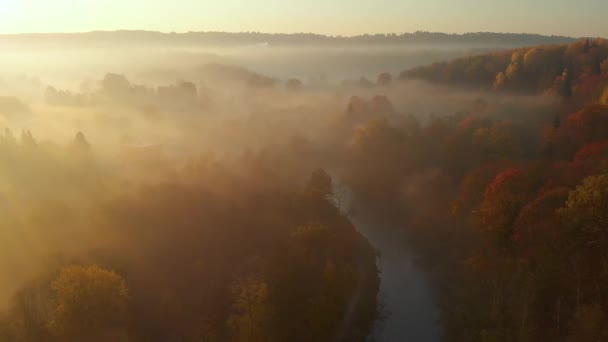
(511, 207)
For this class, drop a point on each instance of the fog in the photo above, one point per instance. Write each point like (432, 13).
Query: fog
(227, 120)
(229, 114)
(68, 64)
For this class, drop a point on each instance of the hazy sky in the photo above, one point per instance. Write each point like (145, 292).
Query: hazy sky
(345, 17)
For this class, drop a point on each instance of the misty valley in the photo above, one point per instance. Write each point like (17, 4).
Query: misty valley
(272, 187)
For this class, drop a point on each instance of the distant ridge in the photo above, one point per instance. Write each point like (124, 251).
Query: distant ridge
(279, 39)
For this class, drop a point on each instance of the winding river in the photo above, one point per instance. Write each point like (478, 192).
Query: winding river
(410, 310)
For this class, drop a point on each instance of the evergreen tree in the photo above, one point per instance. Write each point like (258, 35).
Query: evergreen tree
(587, 46)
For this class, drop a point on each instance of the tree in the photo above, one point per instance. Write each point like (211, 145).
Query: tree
(536, 225)
(261, 81)
(589, 124)
(249, 323)
(294, 84)
(356, 105)
(604, 96)
(504, 198)
(378, 154)
(89, 303)
(604, 66)
(565, 90)
(27, 139)
(384, 79)
(532, 59)
(8, 138)
(515, 70)
(500, 80)
(501, 141)
(81, 140)
(115, 85)
(365, 83)
(586, 210)
(587, 46)
(472, 186)
(593, 151)
(51, 94)
(187, 88)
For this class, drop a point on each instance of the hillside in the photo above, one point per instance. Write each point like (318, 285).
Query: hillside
(506, 201)
(578, 68)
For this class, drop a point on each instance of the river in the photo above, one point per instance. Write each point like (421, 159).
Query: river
(410, 309)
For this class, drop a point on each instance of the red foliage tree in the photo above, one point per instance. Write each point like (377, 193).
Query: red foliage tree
(503, 199)
(589, 124)
(472, 188)
(537, 223)
(592, 152)
(591, 159)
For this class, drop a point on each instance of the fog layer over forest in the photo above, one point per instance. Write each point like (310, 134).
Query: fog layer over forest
(198, 194)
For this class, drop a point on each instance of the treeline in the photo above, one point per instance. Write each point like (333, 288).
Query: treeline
(221, 251)
(181, 96)
(508, 210)
(577, 68)
(240, 38)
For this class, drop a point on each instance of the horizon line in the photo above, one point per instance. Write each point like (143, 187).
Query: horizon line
(293, 33)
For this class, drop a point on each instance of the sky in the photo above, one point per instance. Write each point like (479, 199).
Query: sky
(580, 18)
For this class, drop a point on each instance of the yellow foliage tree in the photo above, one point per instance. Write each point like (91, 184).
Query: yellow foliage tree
(500, 81)
(91, 304)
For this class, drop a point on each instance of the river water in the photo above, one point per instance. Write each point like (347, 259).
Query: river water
(410, 309)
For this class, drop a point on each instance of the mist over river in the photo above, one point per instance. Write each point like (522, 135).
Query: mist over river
(410, 309)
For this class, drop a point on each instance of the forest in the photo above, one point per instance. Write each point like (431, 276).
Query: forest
(219, 203)
(506, 205)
